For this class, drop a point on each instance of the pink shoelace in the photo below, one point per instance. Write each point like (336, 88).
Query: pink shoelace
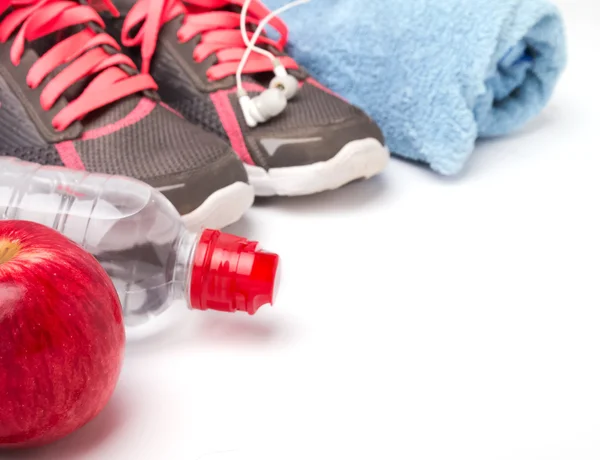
(83, 53)
(219, 29)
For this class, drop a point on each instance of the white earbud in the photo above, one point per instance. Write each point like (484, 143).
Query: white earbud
(263, 107)
(285, 82)
(282, 87)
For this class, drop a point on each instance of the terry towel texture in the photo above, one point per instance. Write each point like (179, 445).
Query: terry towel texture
(435, 74)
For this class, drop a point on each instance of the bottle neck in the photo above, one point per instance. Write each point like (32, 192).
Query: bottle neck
(184, 265)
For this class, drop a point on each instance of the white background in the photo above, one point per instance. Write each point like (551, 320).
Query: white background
(419, 317)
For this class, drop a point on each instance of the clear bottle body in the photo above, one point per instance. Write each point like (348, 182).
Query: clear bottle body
(131, 229)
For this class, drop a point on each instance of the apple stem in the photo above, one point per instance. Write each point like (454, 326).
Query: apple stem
(8, 250)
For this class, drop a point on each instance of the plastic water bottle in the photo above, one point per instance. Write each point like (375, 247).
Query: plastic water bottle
(140, 240)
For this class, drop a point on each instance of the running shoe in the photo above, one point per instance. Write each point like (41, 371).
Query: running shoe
(69, 97)
(193, 50)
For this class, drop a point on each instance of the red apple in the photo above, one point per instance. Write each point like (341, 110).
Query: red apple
(62, 336)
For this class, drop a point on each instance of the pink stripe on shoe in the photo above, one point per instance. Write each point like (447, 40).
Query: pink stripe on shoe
(144, 107)
(171, 109)
(314, 82)
(221, 101)
(69, 156)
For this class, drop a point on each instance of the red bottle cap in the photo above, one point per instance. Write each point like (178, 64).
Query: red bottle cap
(230, 274)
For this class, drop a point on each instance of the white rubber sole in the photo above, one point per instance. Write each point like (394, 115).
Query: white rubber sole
(361, 159)
(222, 208)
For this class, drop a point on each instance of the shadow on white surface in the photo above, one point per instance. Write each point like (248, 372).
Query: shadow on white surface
(244, 227)
(84, 441)
(350, 198)
(206, 330)
(490, 153)
(551, 116)
(217, 330)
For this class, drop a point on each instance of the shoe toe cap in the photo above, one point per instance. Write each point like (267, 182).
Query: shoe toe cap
(188, 190)
(314, 145)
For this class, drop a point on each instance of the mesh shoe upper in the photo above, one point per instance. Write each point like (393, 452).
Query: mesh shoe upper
(164, 143)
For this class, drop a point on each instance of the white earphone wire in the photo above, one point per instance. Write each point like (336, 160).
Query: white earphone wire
(244, 15)
(251, 46)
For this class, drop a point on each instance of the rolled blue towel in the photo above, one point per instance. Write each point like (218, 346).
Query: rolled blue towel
(435, 74)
